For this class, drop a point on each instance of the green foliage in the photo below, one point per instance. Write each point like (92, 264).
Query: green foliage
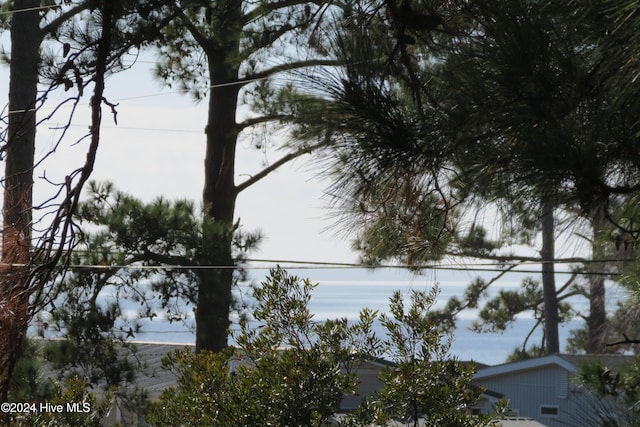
(218, 389)
(289, 370)
(250, 35)
(503, 104)
(122, 238)
(424, 386)
(285, 321)
(89, 413)
(603, 381)
(203, 380)
(413, 232)
(476, 242)
(615, 392)
(102, 361)
(235, 51)
(54, 370)
(71, 31)
(622, 247)
(499, 312)
(27, 381)
(30, 385)
(72, 405)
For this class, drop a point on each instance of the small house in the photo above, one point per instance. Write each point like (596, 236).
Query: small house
(545, 389)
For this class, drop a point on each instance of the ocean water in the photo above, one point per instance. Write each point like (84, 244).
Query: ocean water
(344, 292)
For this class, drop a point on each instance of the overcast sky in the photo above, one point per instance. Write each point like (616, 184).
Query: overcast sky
(157, 149)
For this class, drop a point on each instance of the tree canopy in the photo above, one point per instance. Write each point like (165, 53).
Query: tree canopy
(424, 112)
(495, 104)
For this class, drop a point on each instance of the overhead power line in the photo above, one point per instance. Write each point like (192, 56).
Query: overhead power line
(310, 265)
(143, 129)
(29, 9)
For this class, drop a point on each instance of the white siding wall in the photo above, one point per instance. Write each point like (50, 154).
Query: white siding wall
(528, 390)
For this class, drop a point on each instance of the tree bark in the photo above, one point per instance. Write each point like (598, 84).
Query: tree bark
(224, 56)
(18, 184)
(220, 192)
(597, 320)
(547, 254)
(23, 84)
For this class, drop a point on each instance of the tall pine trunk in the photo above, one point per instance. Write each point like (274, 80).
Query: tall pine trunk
(597, 320)
(220, 193)
(19, 154)
(547, 254)
(18, 183)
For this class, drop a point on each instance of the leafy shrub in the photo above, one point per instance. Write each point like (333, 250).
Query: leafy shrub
(292, 371)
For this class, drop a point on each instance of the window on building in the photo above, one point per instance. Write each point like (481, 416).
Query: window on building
(549, 410)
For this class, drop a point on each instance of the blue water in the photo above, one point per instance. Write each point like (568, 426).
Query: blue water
(344, 292)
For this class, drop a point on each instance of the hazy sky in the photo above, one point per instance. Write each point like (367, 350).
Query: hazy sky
(157, 149)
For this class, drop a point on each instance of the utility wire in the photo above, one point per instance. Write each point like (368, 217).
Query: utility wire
(218, 85)
(506, 260)
(318, 266)
(128, 128)
(503, 261)
(239, 81)
(29, 9)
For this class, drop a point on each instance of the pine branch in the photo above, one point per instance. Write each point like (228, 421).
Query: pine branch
(626, 340)
(512, 258)
(288, 67)
(263, 119)
(267, 8)
(55, 23)
(200, 38)
(266, 171)
(161, 259)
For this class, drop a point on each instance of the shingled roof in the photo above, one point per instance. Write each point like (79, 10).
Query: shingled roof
(153, 377)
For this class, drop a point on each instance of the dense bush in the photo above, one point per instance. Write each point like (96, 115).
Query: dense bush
(289, 370)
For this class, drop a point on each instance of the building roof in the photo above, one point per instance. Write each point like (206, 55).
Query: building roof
(523, 365)
(615, 362)
(569, 362)
(520, 422)
(153, 377)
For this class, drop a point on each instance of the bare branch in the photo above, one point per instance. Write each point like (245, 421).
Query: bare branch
(55, 23)
(282, 161)
(513, 258)
(200, 38)
(626, 340)
(263, 119)
(287, 67)
(267, 8)
(55, 244)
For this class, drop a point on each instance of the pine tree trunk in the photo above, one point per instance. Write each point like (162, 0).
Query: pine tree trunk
(18, 183)
(597, 320)
(23, 84)
(219, 198)
(552, 340)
